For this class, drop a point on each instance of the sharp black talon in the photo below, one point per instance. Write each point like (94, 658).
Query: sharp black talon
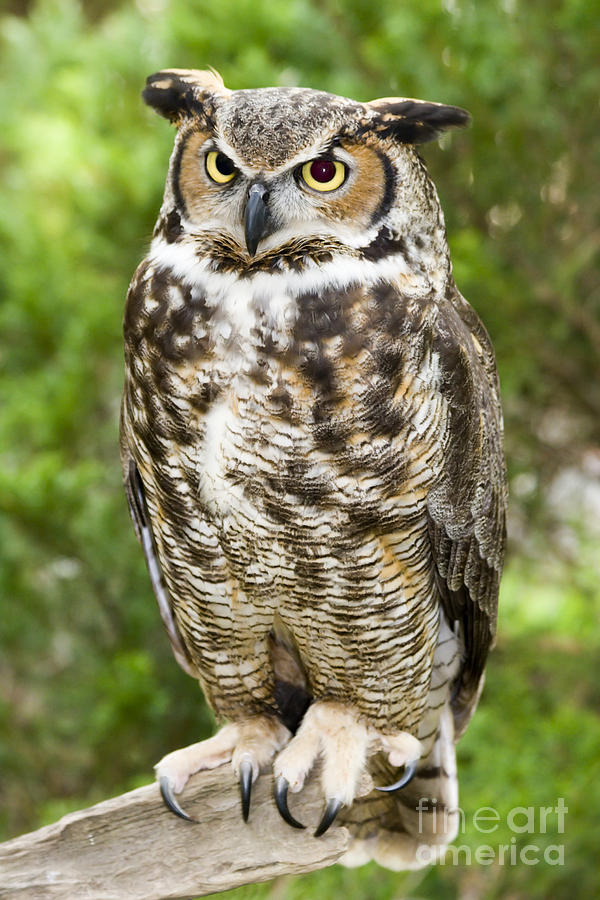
(409, 770)
(169, 800)
(246, 773)
(331, 810)
(281, 790)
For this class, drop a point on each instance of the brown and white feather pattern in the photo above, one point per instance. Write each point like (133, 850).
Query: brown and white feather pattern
(318, 435)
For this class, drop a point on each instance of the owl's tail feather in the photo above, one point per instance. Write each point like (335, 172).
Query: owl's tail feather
(412, 828)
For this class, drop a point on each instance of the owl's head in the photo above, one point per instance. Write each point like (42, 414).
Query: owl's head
(258, 170)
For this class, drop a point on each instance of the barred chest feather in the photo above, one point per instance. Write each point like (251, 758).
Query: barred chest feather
(288, 402)
(288, 442)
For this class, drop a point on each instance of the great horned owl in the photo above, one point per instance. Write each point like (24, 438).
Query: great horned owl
(312, 451)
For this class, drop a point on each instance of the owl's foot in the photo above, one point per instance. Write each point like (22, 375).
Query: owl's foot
(250, 746)
(401, 749)
(335, 732)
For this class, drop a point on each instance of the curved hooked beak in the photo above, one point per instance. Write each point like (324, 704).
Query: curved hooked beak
(256, 216)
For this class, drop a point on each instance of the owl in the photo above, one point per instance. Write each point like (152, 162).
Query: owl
(311, 439)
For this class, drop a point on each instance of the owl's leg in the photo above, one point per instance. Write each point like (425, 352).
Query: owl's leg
(345, 742)
(249, 746)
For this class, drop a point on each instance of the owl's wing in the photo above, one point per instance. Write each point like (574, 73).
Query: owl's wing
(467, 509)
(136, 499)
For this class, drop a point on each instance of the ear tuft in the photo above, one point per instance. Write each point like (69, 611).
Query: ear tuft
(178, 93)
(415, 121)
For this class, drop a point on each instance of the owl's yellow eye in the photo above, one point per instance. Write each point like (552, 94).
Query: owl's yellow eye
(219, 167)
(324, 174)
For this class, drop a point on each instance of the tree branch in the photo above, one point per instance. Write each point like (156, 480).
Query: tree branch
(131, 847)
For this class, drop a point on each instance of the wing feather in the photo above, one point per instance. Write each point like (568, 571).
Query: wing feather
(467, 510)
(136, 499)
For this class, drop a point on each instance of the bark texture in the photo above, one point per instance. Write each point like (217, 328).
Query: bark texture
(131, 847)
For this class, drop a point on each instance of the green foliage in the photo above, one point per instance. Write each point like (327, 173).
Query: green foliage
(91, 695)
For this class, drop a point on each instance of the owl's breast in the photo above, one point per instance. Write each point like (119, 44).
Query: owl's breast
(317, 416)
(323, 420)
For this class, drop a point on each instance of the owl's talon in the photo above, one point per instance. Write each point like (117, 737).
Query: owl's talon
(246, 777)
(409, 771)
(281, 791)
(331, 810)
(166, 792)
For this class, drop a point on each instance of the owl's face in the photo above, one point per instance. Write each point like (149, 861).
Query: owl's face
(327, 183)
(260, 168)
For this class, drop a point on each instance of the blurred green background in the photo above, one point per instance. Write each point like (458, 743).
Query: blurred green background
(90, 696)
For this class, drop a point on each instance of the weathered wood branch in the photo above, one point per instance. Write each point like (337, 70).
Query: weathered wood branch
(132, 848)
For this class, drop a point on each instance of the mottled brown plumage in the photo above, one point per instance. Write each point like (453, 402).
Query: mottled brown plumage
(311, 440)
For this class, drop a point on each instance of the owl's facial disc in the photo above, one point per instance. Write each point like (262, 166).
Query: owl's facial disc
(256, 217)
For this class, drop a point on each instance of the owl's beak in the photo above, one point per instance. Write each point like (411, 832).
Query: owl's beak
(255, 219)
